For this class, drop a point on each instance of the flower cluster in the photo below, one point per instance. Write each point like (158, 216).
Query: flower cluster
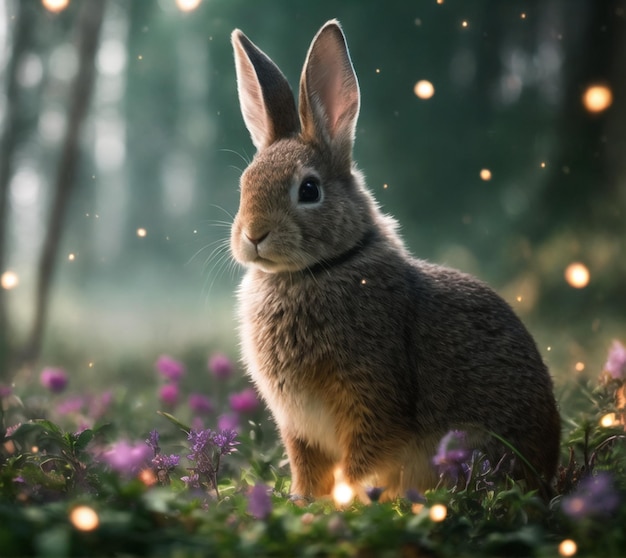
(207, 448)
(162, 464)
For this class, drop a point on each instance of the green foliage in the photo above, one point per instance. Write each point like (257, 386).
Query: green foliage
(48, 474)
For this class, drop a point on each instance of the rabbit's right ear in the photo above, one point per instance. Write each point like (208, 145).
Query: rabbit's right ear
(267, 102)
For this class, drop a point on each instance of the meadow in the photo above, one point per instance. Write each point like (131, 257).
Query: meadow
(164, 469)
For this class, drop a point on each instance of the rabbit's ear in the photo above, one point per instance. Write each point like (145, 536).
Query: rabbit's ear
(267, 102)
(329, 91)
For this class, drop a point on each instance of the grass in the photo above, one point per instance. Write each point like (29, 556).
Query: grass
(157, 470)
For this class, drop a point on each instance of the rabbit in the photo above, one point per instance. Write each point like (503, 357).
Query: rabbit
(365, 356)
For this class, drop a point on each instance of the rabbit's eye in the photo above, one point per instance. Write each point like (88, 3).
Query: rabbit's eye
(309, 191)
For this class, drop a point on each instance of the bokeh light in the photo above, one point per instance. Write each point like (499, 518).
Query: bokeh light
(141, 232)
(342, 493)
(485, 174)
(84, 518)
(609, 420)
(597, 98)
(55, 5)
(9, 280)
(568, 548)
(187, 5)
(577, 275)
(438, 513)
(424, 89)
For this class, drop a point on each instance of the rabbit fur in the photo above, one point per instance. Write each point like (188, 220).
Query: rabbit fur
(365, 356)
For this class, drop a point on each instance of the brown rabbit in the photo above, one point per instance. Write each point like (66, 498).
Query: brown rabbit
(365, 356)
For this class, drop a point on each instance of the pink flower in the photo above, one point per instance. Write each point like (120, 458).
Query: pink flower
(70, 405)
(229, 421)
(616, 361)
(259, 501)
(200, 404)
(127, 458)
(245, 401)
(171, 369)
(54, 379)
(168, 394)
(221, 366)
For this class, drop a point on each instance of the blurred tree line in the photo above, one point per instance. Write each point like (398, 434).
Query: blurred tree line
(122, 143)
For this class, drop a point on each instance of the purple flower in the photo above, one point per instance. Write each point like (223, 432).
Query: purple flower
(153, 441)
(414, 496)
(226, 441)
(200, 404)
(168, 394)
(259, 501)
(192, 480)
(127, 458)
(170, 368)
(245, 401)
(5, 391)
(165, 462)
(374, 493)
(202, 445)
(616, 361)
(452, 454)
(594, 496)
(221, 366)
(228, 421)
(54, 379)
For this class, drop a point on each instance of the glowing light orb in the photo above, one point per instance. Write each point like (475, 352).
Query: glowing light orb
(438, 513)
(464, 23)
(543, 164)
(568, 548)
(187, 5)
(84, 518)
(342, 493)
(597, 98)
(141, 232)
(55, 5)
(485, 174)
(71, 257)
(424, 89)
(439, 1)
(147, 477)
(609, 420)
(577, 275)
(580, 366)
(9, 280)
(523, 15)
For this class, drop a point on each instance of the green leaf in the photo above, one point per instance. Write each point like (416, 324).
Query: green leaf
(175, 421)
(83, 439)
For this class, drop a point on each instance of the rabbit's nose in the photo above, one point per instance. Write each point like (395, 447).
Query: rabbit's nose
(256, 240)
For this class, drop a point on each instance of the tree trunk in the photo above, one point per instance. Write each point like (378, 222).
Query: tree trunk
(22, 40)
(89, 24)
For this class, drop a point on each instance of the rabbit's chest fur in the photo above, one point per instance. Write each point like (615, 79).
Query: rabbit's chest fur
(316, 351)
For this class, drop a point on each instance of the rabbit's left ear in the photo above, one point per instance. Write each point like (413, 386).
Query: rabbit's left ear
(267, 103)
(329, 92)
